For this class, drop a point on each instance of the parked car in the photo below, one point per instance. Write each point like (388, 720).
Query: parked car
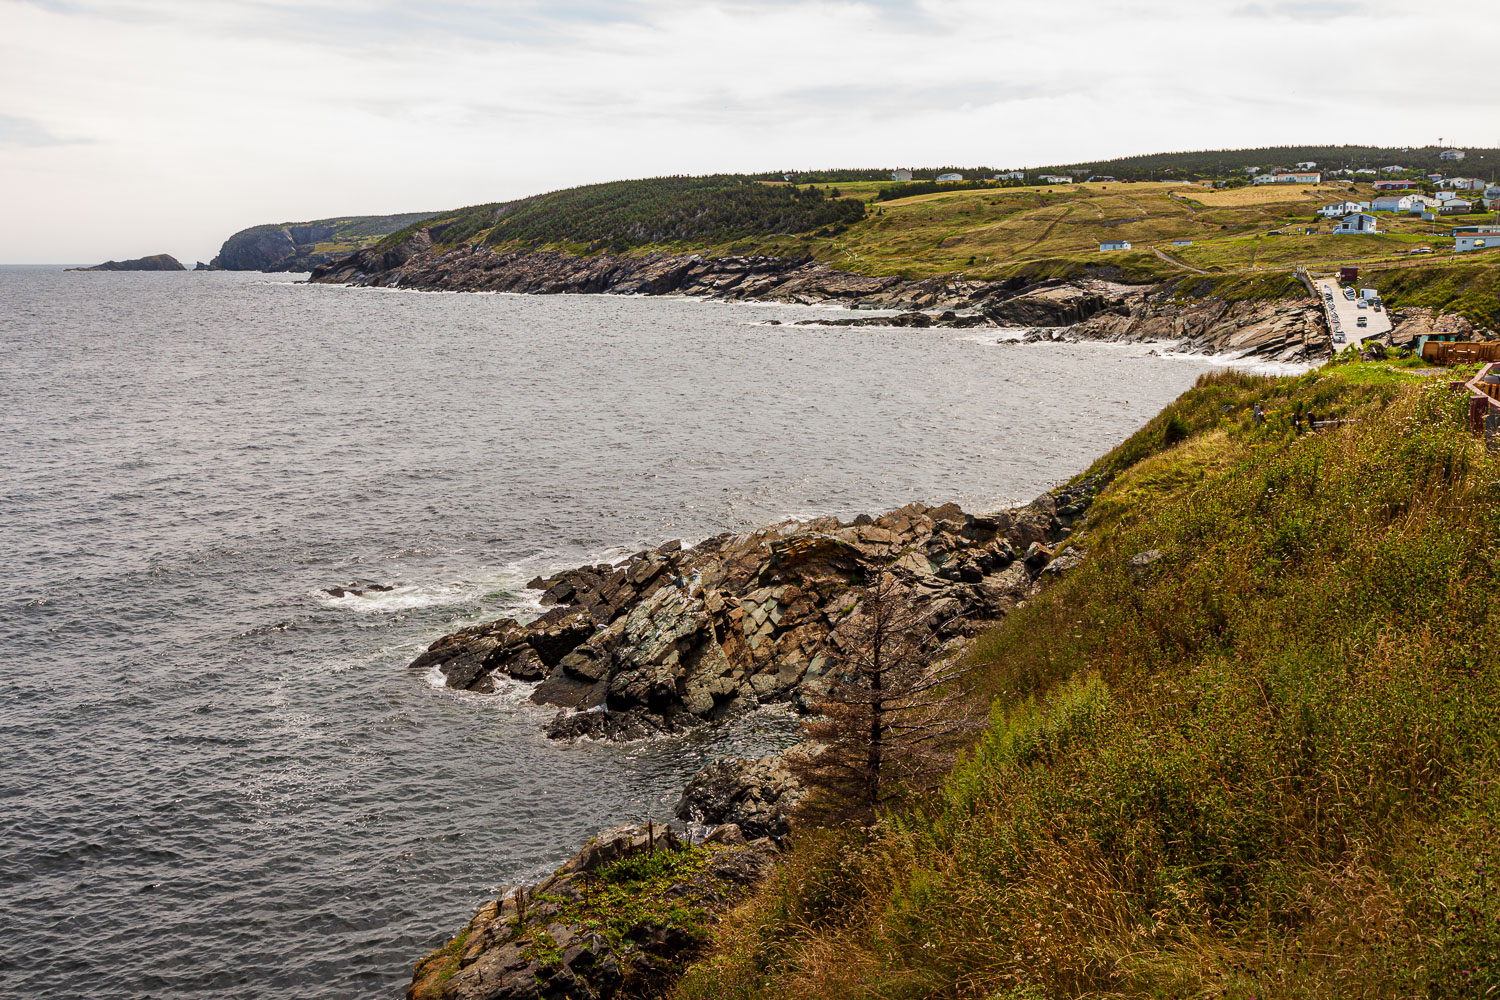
(1422, 250)
(1338, 338)
(1363, 305)
(1364, 321)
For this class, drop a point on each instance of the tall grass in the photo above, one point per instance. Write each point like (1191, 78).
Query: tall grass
(1263, 766)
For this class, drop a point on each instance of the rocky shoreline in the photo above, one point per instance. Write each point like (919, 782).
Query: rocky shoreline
(672, 638)
(1090, 308)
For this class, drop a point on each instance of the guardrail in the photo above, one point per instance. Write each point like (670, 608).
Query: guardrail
(1460, 352)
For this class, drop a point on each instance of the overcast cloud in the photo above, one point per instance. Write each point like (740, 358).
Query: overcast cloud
(130, 127)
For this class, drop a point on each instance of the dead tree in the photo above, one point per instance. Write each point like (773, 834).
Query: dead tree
(893, 716)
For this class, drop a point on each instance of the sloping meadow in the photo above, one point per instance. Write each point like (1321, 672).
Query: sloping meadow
(1259, 760)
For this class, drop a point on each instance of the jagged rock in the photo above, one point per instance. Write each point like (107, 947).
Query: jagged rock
(755, 796)
(1070, 558)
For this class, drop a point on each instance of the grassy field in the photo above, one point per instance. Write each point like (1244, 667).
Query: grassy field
(997, 233)
(1267, 767)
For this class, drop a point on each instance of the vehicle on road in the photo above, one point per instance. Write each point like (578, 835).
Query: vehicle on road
(1422, 250)
(1363, 305)
(1338, 338)
(1364, 321)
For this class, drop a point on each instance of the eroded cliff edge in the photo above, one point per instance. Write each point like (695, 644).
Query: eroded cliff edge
(1191, 314)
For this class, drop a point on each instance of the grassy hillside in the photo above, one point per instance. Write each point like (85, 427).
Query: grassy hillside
(961, 229)
(1266, 766)
(676, 211)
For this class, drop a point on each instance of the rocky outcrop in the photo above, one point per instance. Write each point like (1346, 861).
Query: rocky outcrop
(1287, 330)
(1408, 325)
(157, 262)
(620, 919)
(674, 637)
(756, 796)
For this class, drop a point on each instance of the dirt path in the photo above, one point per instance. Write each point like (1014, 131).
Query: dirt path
(1177, 263)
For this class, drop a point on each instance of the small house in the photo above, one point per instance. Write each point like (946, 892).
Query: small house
(1451, 155)
(1182, 243)
(1339, 209)
(901, 175)
(1456, 206)
(1392, 203)
(1394, 185)
(1309, 165)
(1475, 241)
(1010, 175)
(1056, 179)
(1393, 169)
(951, 176)
(1107, 245)
(1357, 222)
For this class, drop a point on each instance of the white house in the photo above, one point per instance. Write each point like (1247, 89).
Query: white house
(1421, 203)
(901, 175)
(1106, 245)
(1100, 179)
(1010, 175)
(1464, 183)
(1357, 222)
(1446, 195)
(1475, 241)
(1309, 165)
(1339, 209)
(1392, 203)
(1451, 155)
(1392, 170)
(1290, 178)
(1365, 172)
(1056, 179)
(1182, 243)
(1492, 197)
(950, 177)
(1456, 206)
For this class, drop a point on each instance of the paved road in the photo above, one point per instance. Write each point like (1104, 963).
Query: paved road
(1348, 314)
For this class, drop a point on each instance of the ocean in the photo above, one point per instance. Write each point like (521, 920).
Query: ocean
(216, 778)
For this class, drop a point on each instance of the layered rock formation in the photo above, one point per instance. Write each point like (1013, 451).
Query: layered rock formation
(1291, 330)
(156, 262)
(672, 638)
(621, 918)
(476, 267)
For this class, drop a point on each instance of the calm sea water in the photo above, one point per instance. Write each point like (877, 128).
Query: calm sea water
(216, 780)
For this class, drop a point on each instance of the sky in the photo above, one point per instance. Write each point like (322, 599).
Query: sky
(131, 127)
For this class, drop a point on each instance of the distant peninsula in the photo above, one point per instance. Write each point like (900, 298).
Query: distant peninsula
(156, 262)
(301, 246)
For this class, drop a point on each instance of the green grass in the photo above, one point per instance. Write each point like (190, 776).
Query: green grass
(1265, 768)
